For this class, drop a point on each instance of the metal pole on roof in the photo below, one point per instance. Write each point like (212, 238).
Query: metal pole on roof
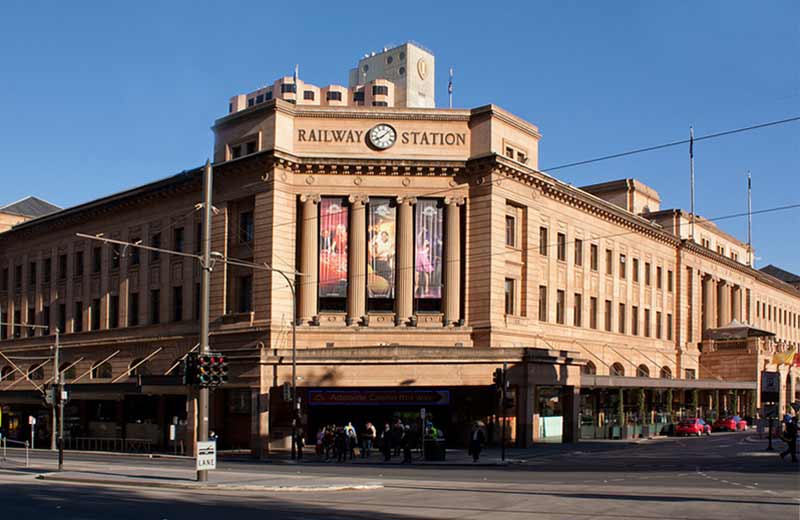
(691, 168)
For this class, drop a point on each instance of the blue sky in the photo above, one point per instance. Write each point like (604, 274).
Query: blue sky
(97, 97)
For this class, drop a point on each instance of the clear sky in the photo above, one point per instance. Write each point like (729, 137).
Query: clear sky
(96, 97)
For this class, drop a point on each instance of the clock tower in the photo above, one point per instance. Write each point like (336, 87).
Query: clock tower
(411, 69)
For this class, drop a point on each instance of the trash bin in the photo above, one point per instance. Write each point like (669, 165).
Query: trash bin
(434, 449)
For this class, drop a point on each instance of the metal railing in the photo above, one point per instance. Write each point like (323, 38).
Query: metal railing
(117, 444)
(25, 444)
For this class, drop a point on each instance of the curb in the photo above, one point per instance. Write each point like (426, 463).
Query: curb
(219, 487)
(378, 464)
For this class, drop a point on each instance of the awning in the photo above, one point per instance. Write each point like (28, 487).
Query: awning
(735, 330)
(593, 381)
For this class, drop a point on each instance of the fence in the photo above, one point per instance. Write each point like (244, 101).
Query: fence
(5, 442)
(127, 445)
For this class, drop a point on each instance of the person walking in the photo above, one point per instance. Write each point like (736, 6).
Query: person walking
(352, 439)
(406, 444)
(369, 438)
(477, 438)
(340, 444)
(300, 442)
(790, 438)
(386, 443)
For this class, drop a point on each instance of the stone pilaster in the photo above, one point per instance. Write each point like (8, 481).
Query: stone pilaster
(709, 294)
(737, 302)
(452, 265)
(724, 303)
(357, 260)
(309, 251)
(405, 259)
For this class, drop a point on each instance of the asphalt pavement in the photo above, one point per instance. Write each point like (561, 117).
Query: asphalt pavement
(724, 476)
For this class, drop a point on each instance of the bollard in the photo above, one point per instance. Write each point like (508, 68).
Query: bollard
(27, 460)
(4, 448)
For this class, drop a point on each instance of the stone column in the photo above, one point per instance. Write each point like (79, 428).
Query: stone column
(709, 294)
(309, 251)
(405, 259)
(724, 303)
(737, 302)
(452, 260)
(357, 260)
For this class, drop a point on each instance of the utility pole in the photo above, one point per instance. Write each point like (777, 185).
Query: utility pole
(503, 408)
(205, 264)
(59, 398)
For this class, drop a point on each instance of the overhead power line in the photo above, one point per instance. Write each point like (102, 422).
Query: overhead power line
(671, 144)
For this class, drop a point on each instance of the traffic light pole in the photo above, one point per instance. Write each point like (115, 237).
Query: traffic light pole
(202, 400)
(60, 400)
(503, 411)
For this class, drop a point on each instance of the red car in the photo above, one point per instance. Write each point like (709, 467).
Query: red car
(732, 423)
(693, 427)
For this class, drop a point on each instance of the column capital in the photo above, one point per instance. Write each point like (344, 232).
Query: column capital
(456, 200)
(358, 198)
(410, 201)
(312, 197)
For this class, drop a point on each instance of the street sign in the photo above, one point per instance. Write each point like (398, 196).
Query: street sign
(31, 420)
(206, 455)
(770, 387)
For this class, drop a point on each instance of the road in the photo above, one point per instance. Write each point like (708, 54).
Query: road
(718, 477)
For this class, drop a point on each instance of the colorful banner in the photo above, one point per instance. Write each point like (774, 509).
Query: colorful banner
(428, 247)
(332, 248)
(381, 248)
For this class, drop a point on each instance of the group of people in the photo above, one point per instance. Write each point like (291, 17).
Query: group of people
(343, 441)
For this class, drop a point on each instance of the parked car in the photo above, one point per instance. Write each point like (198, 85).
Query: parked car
(693, 427)
(732, 423)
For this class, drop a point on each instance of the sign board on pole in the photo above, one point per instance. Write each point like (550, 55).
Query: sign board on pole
(770, 387)
(31, 420)
(206, 455)
(172, 432)
(422, 413)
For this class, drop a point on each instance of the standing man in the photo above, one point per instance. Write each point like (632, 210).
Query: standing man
(790, 437)
(476, 440)
(369, 438)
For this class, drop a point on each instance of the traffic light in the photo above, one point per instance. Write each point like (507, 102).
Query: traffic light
(190, 369)
(206, 371)
(497, 378)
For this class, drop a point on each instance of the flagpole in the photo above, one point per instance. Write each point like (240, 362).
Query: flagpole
(691, 167)
(296, 90)
(750, 259)
(450, 88)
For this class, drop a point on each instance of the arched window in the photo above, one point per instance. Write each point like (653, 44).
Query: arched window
(67, 371)
(617, 369)
(589, 368)
(141, 370)
(101, 371)
(36, 372)
(7, 374)
(642, 371)
(666, 373)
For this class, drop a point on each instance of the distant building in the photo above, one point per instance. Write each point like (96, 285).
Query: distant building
(780, 274)
(24, 209)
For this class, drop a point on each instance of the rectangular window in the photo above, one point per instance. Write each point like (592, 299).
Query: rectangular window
(251, 102)
(607, 310)
(560, 297)
(32, 274)
(46, 319)
(380, 90)
(78, 263)
(177, 303)
(358, 96)
(134, 252)
(245, 227)
(561, 246)
(647, 273)
(62, 267)
(622, 318)
(18, 277)
(48, 267)
(543, 246)
(62, 317)
(113, 311)
(690, 373)
(593, 312)
(287, 88)
(17, 324)
(509, 296)
(511, 231)
(155, 306)
(236, 151)
(577, 310)
(333, 227)
(198, 237)
(155, 241)
(635, 320)
(250, 147)
(259, 98)
(670, 280)
(77, 317)
(4, 281)
(635, 270)
(133, 309)
(4, 327)
(658, 325)
(308, 95)
(177, 239)
(609, 262)
(97, 259)
(658, 277)
(647, 323)
(94, 310)
(669, 327)
(623, 267)
(542, 303)
(31, 321)
(245, 293)
(115, 253)
(333, 95)
(578, 251)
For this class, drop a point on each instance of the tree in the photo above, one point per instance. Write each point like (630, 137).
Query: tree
(695, 399)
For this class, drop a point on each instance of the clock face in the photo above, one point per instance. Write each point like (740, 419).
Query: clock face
(382, 136)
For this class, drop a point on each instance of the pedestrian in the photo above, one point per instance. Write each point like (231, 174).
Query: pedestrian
(329, 441)
(318, 445)
(790, 438)
(352, 439)
(212, 436)
(477, 438)
(397, 436)
(406, 442)
(300, 442)
(386, 442)
(369, 438)
(340, 443)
